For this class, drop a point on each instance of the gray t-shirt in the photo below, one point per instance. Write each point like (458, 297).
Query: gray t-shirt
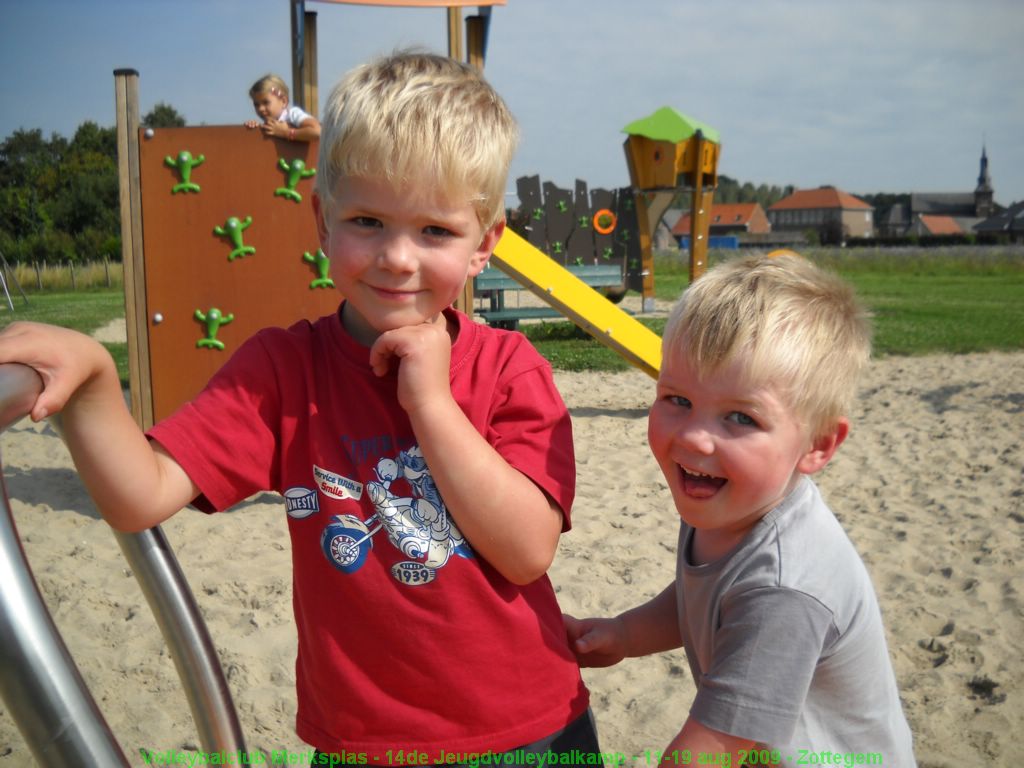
(785, 640)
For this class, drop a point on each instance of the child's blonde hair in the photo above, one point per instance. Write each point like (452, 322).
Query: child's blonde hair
(786, 322)
(271, 83)
(423, 121)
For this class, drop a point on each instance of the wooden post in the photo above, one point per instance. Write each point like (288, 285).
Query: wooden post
(700, 213)
(645, 234)
(71, 266)
(455, 33)
(310, 92)
(463, 302)
(304, 58)
(476, 39)
(476, 32)
(126, 97)
(656, 202)
(296, 14)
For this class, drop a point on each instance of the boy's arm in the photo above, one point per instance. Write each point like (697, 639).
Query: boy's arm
(507, 518)
(695, 740)
(652, 627)
(134, 484)
(649, 628)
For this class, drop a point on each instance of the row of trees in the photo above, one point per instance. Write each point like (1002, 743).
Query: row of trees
(731, 191)
(59, 197)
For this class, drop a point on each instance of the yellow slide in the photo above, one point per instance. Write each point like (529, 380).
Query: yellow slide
(591, 311)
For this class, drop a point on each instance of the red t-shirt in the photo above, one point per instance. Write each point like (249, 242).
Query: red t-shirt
(406, 639)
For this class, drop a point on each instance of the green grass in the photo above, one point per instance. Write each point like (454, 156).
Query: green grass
(919, 314)
(569, 349)
(924, 301)
(85, 311)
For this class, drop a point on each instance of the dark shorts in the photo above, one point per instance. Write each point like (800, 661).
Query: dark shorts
(572, 744)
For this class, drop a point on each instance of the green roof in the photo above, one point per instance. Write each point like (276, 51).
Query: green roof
(667, 124)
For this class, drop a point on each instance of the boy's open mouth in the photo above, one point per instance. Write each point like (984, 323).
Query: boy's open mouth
(698, 485)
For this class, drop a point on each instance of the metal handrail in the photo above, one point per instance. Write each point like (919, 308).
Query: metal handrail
(39, 682)
(174, 607)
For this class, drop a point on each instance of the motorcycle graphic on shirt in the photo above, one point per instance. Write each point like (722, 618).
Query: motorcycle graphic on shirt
(418, 525)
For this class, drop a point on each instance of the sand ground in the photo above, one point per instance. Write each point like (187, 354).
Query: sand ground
(929, 487)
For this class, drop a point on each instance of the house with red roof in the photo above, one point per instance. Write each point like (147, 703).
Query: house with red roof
(927, 224)
(728, 219)
(835, 215)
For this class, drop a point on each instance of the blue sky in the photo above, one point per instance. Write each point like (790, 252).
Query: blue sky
(870, 96)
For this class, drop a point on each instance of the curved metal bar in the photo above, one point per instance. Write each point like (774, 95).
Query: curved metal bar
(19, 388)
(155, 567)
(47, 697)
(39, 682)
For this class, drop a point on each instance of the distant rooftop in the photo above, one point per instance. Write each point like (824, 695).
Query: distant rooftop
(822, 197)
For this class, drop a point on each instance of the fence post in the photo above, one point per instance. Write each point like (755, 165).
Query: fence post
(106, 269)
(39, 277)
(71, 266)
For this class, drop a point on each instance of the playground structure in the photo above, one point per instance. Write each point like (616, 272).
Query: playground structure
(219, 241)
(233, 250)
(603, 240)
(581, 227)
(668, 152)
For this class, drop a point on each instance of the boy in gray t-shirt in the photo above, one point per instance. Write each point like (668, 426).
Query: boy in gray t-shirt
(771, 601)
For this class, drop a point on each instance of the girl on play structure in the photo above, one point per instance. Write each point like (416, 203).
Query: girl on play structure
(269, 97)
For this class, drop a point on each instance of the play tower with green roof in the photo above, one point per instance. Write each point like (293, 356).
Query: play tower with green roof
(666, 152)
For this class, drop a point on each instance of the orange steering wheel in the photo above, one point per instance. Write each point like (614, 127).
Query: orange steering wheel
(604, 222)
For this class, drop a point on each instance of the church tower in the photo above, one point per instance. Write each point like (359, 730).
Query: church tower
(983, 194)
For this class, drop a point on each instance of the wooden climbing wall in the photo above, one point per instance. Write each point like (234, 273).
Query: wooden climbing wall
(190, 268)
(561, 223)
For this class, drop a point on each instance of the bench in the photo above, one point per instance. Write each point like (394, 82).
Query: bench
(492, 283)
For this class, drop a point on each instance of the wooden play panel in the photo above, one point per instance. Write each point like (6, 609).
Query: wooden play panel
(189, 268)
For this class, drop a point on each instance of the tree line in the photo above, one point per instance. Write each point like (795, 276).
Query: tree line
(59, 198)
(730, 190)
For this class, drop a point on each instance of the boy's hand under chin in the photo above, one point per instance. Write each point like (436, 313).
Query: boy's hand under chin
(422, 354)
